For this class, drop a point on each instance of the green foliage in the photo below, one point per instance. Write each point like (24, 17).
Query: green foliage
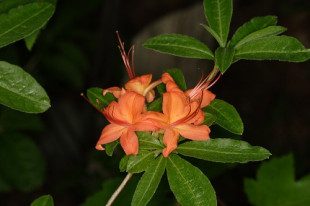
(138, 163)
(179, 45)
(108, 187)
(223, 150)
(209, 119)
(178, 77)
(224, 58)
(282, 48)
(20, 91)
(189, 185)
(95, 96)
(22, 164)
(45, 200)
(123, 163)
(149, 182)
(148, 141)
(268, 31)
(109, 148)
(254, 25)
(22, 21)
(218, 14)
(30, 40)
(156, 105)
(226, 116)
(276, 185)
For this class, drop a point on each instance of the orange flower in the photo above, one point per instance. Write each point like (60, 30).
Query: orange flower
(125, 117)
(141, 85)
(178, 117)
(199, 93)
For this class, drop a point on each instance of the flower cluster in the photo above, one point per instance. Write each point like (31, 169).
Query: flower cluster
(181, 111)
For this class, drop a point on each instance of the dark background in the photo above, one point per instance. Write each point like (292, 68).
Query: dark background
(78, 50)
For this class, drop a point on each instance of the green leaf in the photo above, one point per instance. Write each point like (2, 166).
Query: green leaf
(109, 148)
(188, 184)
(179, 45)
(252, 26)
(214, 34)
(109, 186)
(282, 48)
(224, 58)
(138, 163)
(161, 88)
(268, 31)
(276, 185)
(123, 163)
(156, 105)
(223, 150)
(226, 116)
(178, 77)
(148, 141)
(20, 91)
(209, 119)
(30, 40)
(45, 200)
(149, 182)
(22, 21)
(218, 14)
(95, 96)
(28, 171)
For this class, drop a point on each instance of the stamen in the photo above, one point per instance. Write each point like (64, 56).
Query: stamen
(126, 57)
(89, 102)
(214, 81)
(152, 86)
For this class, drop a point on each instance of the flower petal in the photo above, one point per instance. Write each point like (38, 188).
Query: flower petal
(175, 106)
(139, 84)
(207, 97)
(129, 108)
(170, 140)
(171, 86)
(194, 132)
(116, 91)
(129, 142)
(109, 134)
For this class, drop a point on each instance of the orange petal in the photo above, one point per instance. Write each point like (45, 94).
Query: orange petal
(145, 125)
(139, 84)
(170, 140)
(109, 134)
(207, 97)
(175, 106)
(150, 96)
(129, 108)
(157, 119)
(116, 91)
(129, 142)
(171, 86)
(194, 132)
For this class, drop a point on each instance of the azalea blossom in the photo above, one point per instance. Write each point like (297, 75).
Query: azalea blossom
(125, 117)
(177, 119)
(141, 84)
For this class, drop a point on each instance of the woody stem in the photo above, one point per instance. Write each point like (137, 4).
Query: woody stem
(119, 189)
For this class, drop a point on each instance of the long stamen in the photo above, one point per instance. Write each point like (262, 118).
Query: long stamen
(214, 81)
(89, 102)
(126, 57)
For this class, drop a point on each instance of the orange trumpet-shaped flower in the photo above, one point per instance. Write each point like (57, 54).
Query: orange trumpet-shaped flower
(199, 93)
(125, 117)
(178, 118)
(141, 85)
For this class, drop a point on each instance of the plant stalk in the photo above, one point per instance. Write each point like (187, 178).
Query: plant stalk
(119, 189)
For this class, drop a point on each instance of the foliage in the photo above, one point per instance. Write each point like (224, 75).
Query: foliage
(276, 184)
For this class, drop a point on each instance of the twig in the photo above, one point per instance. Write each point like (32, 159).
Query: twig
(119, 189)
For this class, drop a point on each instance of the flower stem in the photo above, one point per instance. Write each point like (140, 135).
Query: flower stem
(119, 189)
